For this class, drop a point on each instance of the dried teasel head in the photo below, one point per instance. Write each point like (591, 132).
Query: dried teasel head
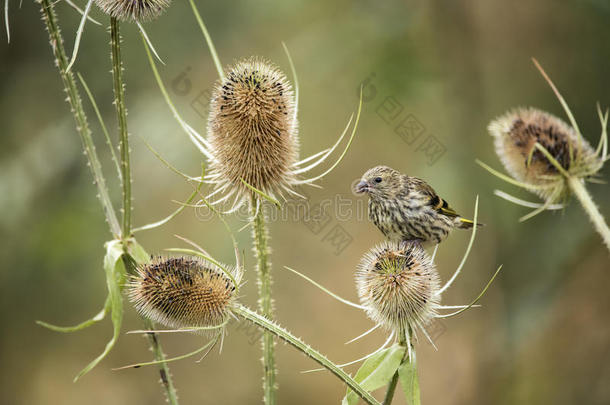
(399, 285)
(539, 149)
(252, 130)
(133, 10)
(182, 292)
(545, 155)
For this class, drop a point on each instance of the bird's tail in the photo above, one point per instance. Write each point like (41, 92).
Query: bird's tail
(467, 224)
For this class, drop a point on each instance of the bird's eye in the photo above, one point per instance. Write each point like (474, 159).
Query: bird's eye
(377, 179)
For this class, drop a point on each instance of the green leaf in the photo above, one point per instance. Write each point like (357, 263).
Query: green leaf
(103, 125)
(115, 277)
(407, 373)
(139, 254)
(376, 372)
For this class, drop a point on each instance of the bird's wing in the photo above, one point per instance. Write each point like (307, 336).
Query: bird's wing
(437, 203)
(441, 206)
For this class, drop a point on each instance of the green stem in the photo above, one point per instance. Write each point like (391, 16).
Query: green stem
(578, 188)
(265, 302)
(82, 126)
(102, 124)
(389, 395)
(289, 338)
(124, 152)
(166, 378)
(119, 102)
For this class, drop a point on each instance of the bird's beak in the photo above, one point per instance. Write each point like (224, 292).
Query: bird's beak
(362, 187)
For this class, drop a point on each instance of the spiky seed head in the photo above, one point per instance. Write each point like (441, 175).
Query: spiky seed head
(133, 10)
(252, 128)
(183, 292)
(515, 135)
(399, 284)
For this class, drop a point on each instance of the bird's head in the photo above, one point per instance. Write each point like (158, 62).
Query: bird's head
(379, 181)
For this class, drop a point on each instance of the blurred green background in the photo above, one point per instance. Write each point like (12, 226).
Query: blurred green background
(542, 335)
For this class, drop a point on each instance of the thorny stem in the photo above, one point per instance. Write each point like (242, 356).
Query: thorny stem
(578, 188)
(265, 302)
(82, 126)
(119, 102)
(286, 336)
(166, 378)
(389, 395)
(50, 19)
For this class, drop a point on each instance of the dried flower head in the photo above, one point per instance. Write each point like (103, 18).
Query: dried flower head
(516, 136)
(252, 129)
(133, 10)
(252, 143)
(398, 284)
(183, 292)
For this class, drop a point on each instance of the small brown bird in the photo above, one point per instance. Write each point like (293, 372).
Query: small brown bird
(406, 208)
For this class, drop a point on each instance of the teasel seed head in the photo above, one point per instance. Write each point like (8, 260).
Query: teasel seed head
(133, 10)
(182, 292)
(398, 284)
(515, 136)
(252, 129)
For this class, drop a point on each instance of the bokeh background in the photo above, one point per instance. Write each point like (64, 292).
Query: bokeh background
(542, 335)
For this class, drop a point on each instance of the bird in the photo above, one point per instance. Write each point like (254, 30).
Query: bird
(406, 208)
